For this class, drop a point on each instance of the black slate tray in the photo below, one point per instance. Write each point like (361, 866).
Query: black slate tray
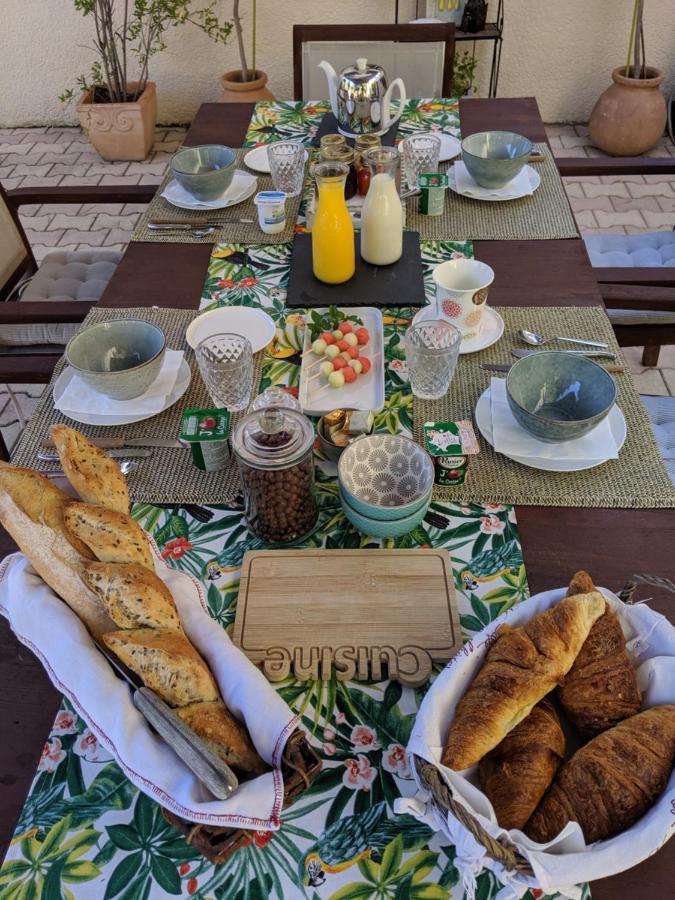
(329, 125)
(400, 284)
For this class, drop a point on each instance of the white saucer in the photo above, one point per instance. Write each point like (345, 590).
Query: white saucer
(179, 388)
(491, 328)
(450, 146)
(248, 321)
(616, 420)
(500, 195)
(243, 185)
(258, 160)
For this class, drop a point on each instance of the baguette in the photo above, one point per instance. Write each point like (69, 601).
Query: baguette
(225, 735)
(32, 512)
(520, 668)
(95, 476)
(133, 596)
(112, 536)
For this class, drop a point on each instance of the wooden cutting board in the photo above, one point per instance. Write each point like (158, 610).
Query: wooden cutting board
(367, 614)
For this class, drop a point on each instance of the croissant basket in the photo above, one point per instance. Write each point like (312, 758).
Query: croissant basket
(454, 804)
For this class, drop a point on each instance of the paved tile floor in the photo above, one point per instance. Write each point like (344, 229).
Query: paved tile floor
(33, 157)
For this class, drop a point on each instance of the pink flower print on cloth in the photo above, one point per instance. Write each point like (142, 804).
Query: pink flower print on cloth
(359, 773)
(491, 525)
(395, 760)
(364, 738)
(66, 722)
(52, 755)
(87, 746)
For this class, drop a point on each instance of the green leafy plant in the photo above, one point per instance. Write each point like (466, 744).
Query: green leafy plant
(463, 72)
(329, 321)
(636, 44)
(126, 30)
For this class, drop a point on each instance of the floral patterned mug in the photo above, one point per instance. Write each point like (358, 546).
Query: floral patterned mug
(462, 287)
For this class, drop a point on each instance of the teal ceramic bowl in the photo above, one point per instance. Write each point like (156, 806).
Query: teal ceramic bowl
(494, 158)
(206, 172)
(385, 476)
(558, 397)
(120, 359)
(379, 528)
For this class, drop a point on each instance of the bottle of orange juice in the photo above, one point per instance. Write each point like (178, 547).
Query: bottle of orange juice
(333, 255)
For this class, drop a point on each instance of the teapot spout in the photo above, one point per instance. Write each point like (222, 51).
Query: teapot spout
(331, 78)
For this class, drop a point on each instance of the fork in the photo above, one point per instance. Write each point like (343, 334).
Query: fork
(127, 466)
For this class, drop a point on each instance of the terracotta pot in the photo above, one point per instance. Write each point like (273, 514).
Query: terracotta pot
(237, 91)
(121, 131)
(630, 116)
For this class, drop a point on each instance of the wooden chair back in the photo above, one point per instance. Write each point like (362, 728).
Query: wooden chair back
(16, 256)
(327, 36)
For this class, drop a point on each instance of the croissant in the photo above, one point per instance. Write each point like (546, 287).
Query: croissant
(601, 688)
(521, 667)
(612, 781)
(519, 771)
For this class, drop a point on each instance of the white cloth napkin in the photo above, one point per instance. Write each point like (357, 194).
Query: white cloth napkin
(567, 858)
(511, 438)
(45, 624)
(78, 397)
(520, 186)
(240, 184)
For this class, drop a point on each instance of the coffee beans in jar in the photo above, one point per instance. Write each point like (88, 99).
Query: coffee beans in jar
(273, 448)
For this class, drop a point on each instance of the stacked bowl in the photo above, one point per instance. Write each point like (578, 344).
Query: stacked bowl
(385, 484)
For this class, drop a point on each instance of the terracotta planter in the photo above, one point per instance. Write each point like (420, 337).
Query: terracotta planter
(237, 91)
(630, 116)
(121, 131)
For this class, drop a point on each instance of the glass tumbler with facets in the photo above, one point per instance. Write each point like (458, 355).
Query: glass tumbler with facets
(287, 165)
(226, 365)
(431, 351)
(420, 154)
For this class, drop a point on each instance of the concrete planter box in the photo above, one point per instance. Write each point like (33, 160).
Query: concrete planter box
(120, 131)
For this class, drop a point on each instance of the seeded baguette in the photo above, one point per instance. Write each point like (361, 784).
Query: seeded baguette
(224, 734)
(111, 536)
(95, 476)
(133, 596)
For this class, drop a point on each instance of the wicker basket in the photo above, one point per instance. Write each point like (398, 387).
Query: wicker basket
(299, 766)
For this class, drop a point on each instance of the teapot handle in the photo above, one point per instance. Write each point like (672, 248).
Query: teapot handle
(387, 121)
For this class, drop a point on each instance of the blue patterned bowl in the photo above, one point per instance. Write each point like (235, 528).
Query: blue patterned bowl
(494, 158)
(385, 476)
(559, 397)
(378, 528)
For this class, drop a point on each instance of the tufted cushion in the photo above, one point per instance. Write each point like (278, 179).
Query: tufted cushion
(662, 414)
(641, 317)
(65, 276)
(656, 248)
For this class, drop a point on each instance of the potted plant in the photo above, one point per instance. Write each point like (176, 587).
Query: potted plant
(463, 73)
(630, 116)
(118, 110)
(245, 84)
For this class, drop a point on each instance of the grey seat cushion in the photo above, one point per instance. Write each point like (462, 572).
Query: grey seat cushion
(641, 317)
(654, 248)
(662, 414)
(74, 276)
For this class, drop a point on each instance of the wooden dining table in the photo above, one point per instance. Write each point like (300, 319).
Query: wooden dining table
(612, 544)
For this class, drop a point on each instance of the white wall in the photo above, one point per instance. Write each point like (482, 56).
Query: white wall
(562, 51)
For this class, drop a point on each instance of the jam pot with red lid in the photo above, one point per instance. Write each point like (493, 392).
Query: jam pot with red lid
(273, 448)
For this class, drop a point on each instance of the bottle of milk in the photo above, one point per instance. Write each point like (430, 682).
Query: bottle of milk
(382, 214)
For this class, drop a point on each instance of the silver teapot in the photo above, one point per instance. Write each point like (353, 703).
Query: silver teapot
(360, 98)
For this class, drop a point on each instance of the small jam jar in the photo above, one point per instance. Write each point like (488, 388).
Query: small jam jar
(273, 449)
(343, 154)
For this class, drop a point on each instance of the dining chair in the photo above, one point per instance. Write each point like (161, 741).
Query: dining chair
(421, 54)
(635, 272)
(661, 412)
(43, 305)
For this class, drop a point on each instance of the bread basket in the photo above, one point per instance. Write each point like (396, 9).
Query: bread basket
(454, 804)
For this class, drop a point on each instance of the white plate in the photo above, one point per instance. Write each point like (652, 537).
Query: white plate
(243, 185)
(179, 388)
(491, 328)
(248, 321)
(450, 146)
(494, 195)
(616, 420)
(258, 160)
(367, 392)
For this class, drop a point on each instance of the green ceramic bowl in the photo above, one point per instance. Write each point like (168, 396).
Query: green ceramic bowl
(559, 397)
(120, 359)
(385, 476)
(206, 172)
(494, 158)
(380, 528)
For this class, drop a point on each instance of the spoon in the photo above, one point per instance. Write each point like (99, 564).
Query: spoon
(127, 466)
(536, 340)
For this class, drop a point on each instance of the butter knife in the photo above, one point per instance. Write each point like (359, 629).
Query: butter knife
(133, 452)
(210, 769)
(189, 224)
(519, 353)
(504, 367)
(107, 443)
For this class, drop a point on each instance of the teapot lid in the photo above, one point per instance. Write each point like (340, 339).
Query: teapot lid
(363, 72)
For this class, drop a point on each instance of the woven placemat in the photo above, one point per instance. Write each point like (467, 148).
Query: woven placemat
(232, 232)
(545, 215)
(168, 475)
(637, 478)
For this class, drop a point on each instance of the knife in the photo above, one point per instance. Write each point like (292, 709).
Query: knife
(210, 769)
(117, 443)
(186, 224)
(134, 452)
(596, 354)
(504, 367)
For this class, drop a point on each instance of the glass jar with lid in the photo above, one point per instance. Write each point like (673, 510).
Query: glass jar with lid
(362, 143)
(332, 140)
(273, 449)
(336, 153)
